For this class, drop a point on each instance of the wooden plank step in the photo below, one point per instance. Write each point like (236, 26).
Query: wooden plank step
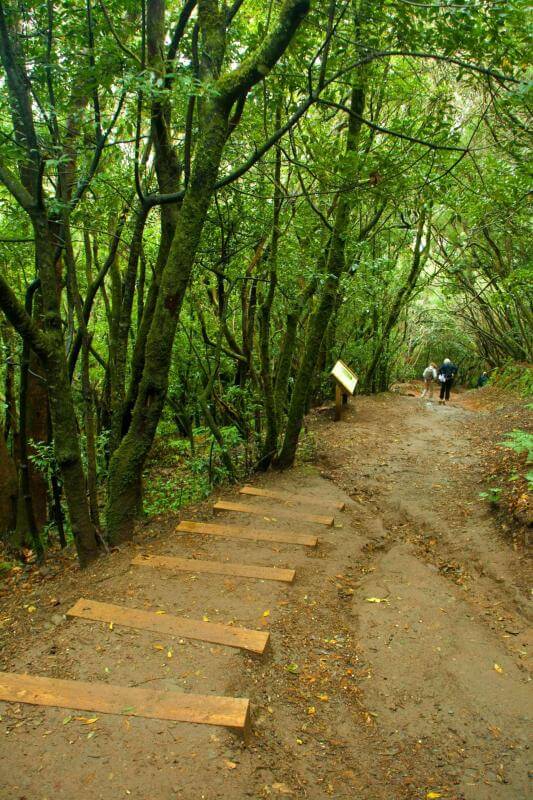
(233, 532)
(225, 505)
(218, 568)
(255, 641)
(287, 498)
(102, 698)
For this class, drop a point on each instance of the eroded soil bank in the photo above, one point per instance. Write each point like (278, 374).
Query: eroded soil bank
(398, 668)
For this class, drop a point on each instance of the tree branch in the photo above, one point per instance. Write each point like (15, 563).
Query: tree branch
(397, 134)
(257, 65)
(16, 188)
(21, 320)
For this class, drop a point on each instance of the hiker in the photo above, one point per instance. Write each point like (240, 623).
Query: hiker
(447, 373)
(429, 375)
(482, 380)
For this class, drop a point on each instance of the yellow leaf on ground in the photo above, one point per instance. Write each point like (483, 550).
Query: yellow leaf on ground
(283, 789)
(230, 764)
(158, 647)
(498, 668)
(160, 612)
(311, 710)
(169, 653)
(111, 626)
(376, 600)
(433, 795)
(31, 609)
(266, 613)
(205, 618)
(323, 697)
(87, 720)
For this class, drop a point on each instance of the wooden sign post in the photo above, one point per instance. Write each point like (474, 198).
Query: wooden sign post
(345, 383)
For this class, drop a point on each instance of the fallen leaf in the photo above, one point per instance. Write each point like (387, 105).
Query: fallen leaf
(323, 697)
(498, 668)
(90, 735)
(169, 653)
(160, 612)
(67, 720)
(230, 764)
(266, 613)
(292, 667)
(31, 609)
(205, 618)
(158, 647)
(111, 626)
(376, 600)
(282, 788)
(433, 795)
(311, 710)
(87, 720)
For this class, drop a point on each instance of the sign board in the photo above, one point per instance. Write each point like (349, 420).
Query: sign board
(344, 376)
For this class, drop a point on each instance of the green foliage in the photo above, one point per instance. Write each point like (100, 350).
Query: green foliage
(520, 442)
(42, 456)
(493, 495)
(515, 377)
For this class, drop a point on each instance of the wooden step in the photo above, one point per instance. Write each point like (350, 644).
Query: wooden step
(102, 698)
(217, 568)
(288, 498)
(233, 532)
(225, 505)
(255, 641)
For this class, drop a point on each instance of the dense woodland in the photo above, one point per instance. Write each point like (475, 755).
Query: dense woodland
(203, 206)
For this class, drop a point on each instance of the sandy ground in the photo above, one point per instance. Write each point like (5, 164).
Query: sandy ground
(398, 668)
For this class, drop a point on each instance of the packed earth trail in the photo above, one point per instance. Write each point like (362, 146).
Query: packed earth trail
(397, 666)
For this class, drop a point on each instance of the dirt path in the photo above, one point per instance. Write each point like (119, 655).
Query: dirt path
(423, 694)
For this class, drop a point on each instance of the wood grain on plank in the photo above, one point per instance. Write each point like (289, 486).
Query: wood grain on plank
(226, 505)
(233, 532)
(288, 498)
(218, 568)
(255, 641)
(102, 698)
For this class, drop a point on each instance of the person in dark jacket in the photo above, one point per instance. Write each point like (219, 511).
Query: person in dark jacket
(447, 372)
(482, 380)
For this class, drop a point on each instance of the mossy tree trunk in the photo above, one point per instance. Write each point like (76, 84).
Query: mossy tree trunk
(326, 304)
(125, 475)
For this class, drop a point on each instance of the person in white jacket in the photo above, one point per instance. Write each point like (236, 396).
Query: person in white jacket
(430, 376)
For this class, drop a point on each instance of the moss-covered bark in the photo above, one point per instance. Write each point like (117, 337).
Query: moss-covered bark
(128, 460)
(326, 304)
(66, 440)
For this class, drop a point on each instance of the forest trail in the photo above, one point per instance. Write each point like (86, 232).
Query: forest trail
(398, 661)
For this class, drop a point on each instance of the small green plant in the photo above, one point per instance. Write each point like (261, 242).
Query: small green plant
(493, 495)
(521, 442)
(43, 458)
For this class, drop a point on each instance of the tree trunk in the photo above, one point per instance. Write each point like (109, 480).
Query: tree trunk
(66, 438)
(8, 488)
(125, 472)
(326, 305)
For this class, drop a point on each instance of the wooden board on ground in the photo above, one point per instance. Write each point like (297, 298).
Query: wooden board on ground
(287, 498)
(217, 568)
(102, 698)
(225, 505)
(254, 641)
(233, 532)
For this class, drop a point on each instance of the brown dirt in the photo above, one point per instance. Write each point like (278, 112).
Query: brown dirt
(392, 700)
